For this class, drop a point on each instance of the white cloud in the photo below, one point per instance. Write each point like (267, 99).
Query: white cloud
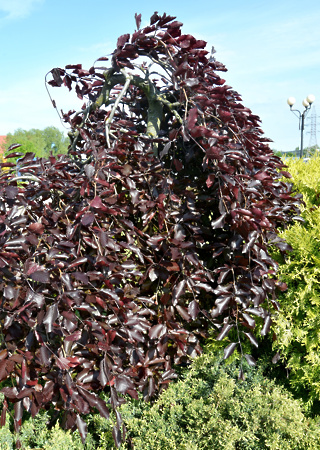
(17, 9)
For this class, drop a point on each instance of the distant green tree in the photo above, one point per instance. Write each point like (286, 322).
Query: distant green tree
(55, 141)
(312, 151)
(308, 152)
(277, 152)
(40, 142)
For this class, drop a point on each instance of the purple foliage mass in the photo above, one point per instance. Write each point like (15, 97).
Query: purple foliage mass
(117, 258)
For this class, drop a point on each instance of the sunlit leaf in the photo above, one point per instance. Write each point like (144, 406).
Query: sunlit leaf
(250, 360)
(230, 349)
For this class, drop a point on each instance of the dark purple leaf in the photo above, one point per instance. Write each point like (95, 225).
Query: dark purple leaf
(123, 384)
(249, 319)
(260, 312)
(138, 20)
(11, 191)
(82, 427)
(241, 374)
(122, 40)
(10, 392)
(74, 336)
(179, 233)
(56, 73)
(193, 309)
(51, 317)
(250, 360)
(154, 18)
(36, 227)
(13, 147)
(78, 262)
(178, 290)
(225, 330)
(87, 219)
(154, 241)
(276, 358)
(95, 401)
(41, 276)
(74, 66)
(266, 325)
(3, 414)
(165, 150)
(171, 266)
(192, 117)
(222, 304)
(9, 292)
(89, 170)
(251, 338)
(183, 312)
(218, 223)
(97, 203)
(230, 349)
(45, 356)
(157, 331)
(116, 434)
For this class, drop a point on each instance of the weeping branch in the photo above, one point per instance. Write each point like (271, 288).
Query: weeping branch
(156, 102)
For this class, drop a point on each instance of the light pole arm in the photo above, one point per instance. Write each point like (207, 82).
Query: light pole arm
(301, 117)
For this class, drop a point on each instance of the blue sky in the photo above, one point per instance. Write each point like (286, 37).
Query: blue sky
(270, 48)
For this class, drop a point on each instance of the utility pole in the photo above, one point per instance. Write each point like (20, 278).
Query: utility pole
(307, 102)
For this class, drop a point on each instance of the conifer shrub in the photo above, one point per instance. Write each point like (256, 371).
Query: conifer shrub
(297, 324)
(210, 408)
(35, 433)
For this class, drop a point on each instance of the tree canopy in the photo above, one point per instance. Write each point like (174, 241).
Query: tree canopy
(117, 258)
(40, 142)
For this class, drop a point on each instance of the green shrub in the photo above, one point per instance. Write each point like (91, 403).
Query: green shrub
(297, 325)
(34, 434)
(211, 409)
(306, 178)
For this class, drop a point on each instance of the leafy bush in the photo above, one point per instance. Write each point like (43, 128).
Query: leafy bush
(306, 179)
(297, 324)
(211, 409)
(35, 434)
(117, 258)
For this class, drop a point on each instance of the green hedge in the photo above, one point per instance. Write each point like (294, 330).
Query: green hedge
(209, 408)
(35, 434)
(297, 325)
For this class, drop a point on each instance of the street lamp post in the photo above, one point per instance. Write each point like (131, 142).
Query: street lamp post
(307, 102)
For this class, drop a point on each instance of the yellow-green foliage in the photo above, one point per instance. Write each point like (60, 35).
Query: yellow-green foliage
(32, 436)
(211, 409)
(35, 434)
(306, 178)
(298, 324)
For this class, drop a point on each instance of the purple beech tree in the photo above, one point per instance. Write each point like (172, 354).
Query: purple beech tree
(117, 258)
